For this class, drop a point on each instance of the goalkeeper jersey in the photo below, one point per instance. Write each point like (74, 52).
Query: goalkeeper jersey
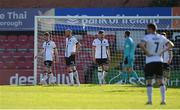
(129, 48)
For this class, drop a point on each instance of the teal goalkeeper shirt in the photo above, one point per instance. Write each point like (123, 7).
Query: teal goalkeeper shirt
(129, 48)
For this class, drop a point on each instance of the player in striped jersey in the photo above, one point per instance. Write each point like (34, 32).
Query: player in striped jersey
(167, 59)
(71, 50)
(49, 49)
(152, 45)
(101, 55)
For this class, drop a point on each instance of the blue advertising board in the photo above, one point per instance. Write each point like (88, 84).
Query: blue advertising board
(22, 19)
(134, 23)
(146, 11)
(17, 19)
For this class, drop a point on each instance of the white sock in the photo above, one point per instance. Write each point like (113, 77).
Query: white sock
(149, 93)
(163, 92)
(71, 78)
(51, 78)
(67, 80)
(103, 77)
(43, 80)
(76, 75)
(100, 77)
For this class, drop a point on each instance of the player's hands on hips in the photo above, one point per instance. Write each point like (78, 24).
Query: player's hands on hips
(73, 53)
(169, 61)
(35, 57)
(148, 54)
(126, 60)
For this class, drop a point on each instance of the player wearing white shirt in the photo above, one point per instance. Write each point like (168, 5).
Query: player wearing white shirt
(152, 45)
(101, 55)
(167, 59)
(50, 54)
(71, 49)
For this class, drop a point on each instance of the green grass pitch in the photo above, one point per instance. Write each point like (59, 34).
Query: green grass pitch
(85, 96)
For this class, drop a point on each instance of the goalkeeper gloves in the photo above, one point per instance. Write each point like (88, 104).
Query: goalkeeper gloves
(126, 60)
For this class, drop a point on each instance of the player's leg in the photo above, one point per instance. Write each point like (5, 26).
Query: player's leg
(69, 70)
(166, 73)
(71, 75)
(149, 76)
(133, 74)
(100, 74)
(124, 74)
(76, 75)
(100, 70)
(131, 70)
(160, 81)
(45, 74)
(50, 74)
(75, 72)
(105, 71)
(149, 90)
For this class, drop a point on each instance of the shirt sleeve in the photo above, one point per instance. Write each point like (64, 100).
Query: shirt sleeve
(44, 45)
(144, 39)
(94, 43)
(165, 40)
(53, 45)
(132, 49)
(107, 43)
(75, 41)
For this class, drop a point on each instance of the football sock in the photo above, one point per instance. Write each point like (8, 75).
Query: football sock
(124, 76)
(43, 80)
(103, 77)
(76, 76)
(100, 77)
(134, 75)
(149, 92)
(71, 78)
(163, 92)
(51, 78)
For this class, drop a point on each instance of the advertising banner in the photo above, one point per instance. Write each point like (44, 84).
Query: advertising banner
(116, 12)
(17, 19)
(176, 12)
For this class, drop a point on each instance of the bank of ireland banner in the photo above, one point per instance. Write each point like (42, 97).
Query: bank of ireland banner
(141, 23)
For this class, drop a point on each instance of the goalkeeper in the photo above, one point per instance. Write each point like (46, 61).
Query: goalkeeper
(128, 60)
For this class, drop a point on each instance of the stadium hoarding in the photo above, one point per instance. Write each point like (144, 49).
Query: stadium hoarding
(17, 19)
(116, 12)
(176, 12)
(17, 77)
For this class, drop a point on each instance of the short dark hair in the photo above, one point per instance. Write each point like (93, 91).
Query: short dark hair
(47, 34)
(152, 26)
(101, 32)
(127, 33)
(68, 30)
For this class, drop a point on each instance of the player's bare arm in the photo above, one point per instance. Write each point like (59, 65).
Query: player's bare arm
(93, 53)
(170, 56)
(78, 46)
(108, 53)
(142, 46)
(56, 55)
(170, 45)
(40, 53)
